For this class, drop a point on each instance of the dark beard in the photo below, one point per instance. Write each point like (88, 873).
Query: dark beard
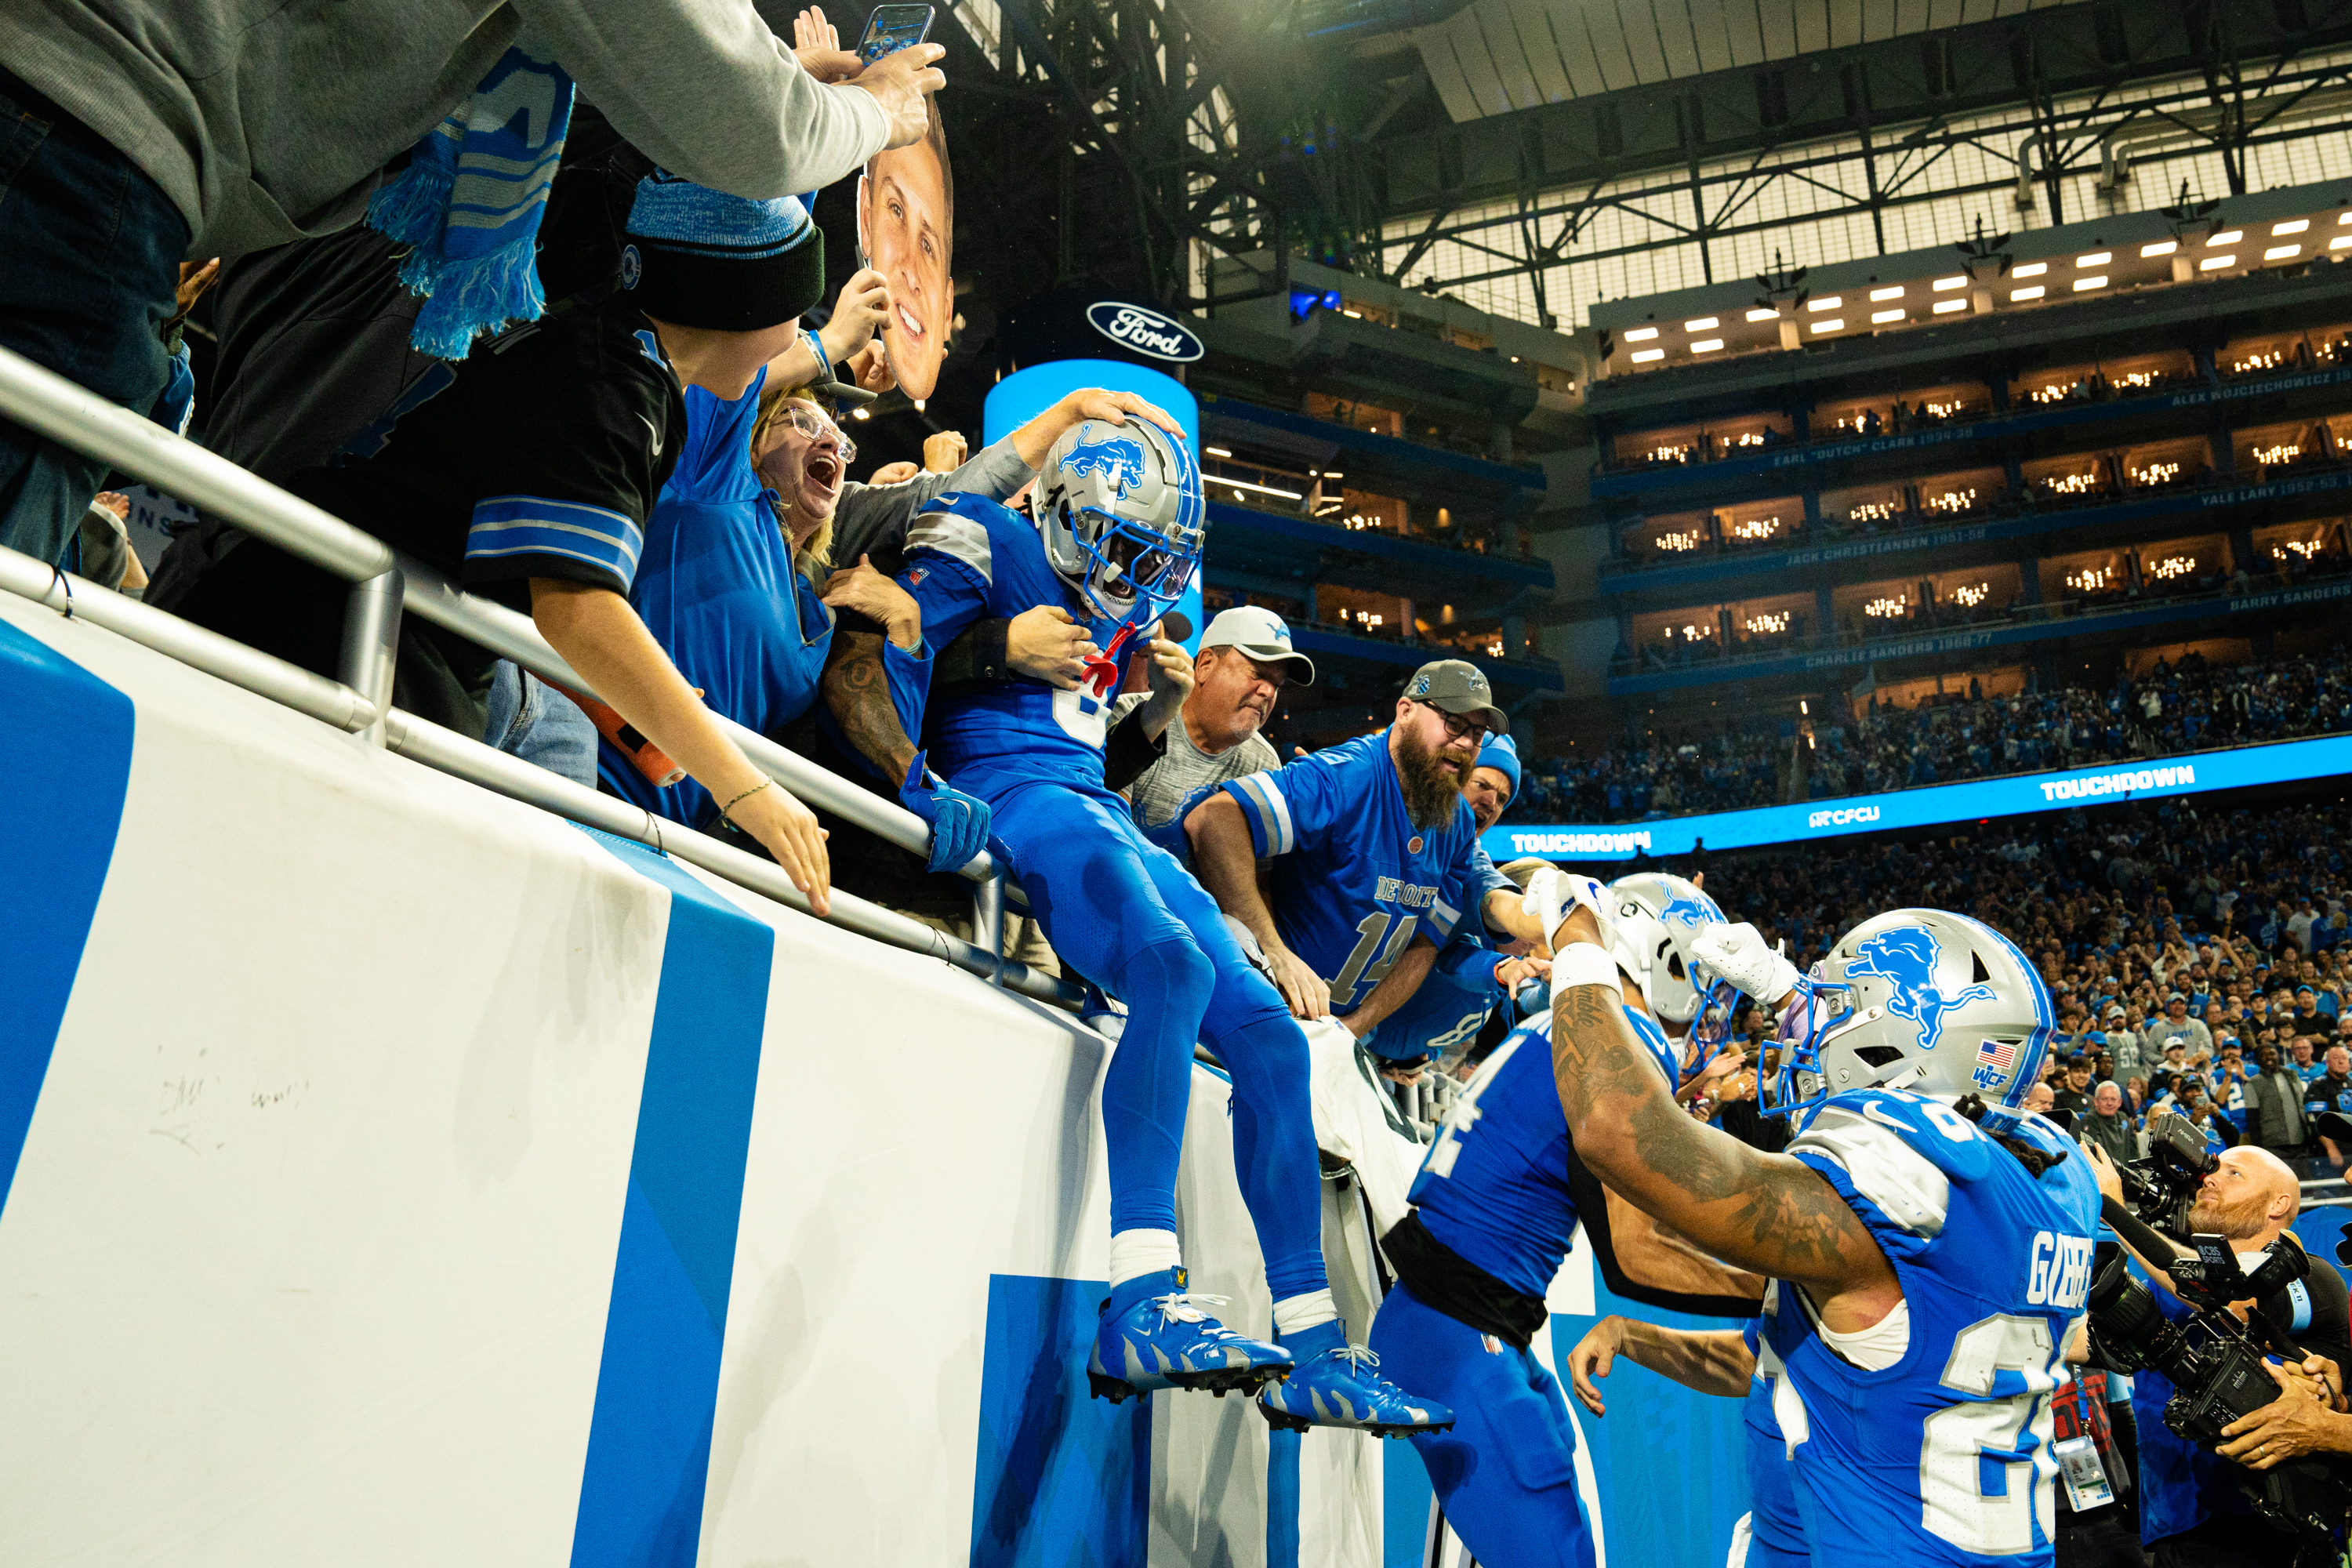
(1432, 789)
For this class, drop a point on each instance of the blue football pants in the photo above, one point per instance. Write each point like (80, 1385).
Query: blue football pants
(1505, 1474)
(1124, 914)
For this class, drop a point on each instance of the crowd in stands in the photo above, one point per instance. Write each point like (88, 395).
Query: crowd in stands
(2193, 956)
(2175, 708)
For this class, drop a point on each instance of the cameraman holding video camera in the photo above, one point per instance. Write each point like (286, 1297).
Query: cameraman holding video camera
(2194, 1509)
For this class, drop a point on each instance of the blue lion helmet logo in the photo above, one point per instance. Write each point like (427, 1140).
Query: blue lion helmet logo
(1118, 458)
(1907, 955)
(1690, 911)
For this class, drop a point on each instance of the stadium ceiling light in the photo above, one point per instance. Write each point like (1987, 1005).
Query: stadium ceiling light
(2083, 283)
(2281, 252)
(1946, 307)
(1333, 474)
(1946, 285)
(1643, 356)
(1833, 324)
(1641, 335)
(1894, 293)
(2339, 242)
(2033, 270)
(2161, 247)
(2232, 237)
(1216, 451)
(1703, 324)
(1762, 315)
(2296, 226)
(1878, 317)
(2214, 263)
(1706, 345)
(2033, 293)
(1831, 303)
(2096, 258)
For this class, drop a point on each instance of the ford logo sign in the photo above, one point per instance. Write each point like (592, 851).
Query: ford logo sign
(1145, 332)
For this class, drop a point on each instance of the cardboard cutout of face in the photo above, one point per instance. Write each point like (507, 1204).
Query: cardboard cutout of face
(906, 229)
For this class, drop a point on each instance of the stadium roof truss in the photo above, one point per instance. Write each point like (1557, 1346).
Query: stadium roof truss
(1531, 157)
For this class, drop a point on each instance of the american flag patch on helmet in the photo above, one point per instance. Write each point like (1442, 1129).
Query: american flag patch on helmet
(2000, 1054)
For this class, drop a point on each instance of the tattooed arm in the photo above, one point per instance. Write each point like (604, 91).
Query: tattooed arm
(856, 692)
(1768, 1212)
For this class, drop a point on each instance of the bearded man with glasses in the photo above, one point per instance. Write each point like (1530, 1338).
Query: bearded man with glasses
(1376, 855)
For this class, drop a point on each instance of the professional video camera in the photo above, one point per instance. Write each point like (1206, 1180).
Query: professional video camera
(2215, 1363)
(2162, 1188)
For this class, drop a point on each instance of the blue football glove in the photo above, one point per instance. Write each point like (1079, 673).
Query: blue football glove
(959, 823)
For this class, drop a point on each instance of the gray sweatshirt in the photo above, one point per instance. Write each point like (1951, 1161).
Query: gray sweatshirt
(265, 121)
(869, 517)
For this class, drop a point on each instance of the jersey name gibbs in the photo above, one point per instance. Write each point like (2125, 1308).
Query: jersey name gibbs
(2059, 1274)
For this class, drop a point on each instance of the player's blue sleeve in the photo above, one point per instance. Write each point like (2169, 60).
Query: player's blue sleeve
(1479, 878)
(948, 573)
(1292, 808)
(1467, 964)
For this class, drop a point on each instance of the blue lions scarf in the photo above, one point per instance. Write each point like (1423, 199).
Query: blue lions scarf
(469, 202)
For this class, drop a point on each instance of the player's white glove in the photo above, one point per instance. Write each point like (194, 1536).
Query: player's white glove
(1740, 955)
(1553, 895)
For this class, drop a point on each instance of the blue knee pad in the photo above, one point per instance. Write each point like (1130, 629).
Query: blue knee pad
(1148, 1086)
(1507, 1473)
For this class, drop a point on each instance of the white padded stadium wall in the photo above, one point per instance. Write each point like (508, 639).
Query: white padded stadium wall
(391, 1173)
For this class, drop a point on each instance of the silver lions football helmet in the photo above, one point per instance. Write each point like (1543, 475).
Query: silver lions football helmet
(1921, 1000)
(1656, 917)
(1121, 514)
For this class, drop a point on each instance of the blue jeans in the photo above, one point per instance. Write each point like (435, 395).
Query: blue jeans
(530, 719)
(89, 254)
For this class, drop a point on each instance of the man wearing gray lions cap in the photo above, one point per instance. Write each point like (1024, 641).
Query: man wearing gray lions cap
(1245, 661)
(1375, 853)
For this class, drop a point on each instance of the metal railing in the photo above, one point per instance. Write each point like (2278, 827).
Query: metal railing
(387, 583)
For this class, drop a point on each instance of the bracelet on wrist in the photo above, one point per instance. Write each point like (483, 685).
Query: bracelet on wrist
(817, 347)
(740, 799)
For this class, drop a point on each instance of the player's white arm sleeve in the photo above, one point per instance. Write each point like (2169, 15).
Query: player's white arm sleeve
(1553, 894)
(1267, 811)
(1904, 1184)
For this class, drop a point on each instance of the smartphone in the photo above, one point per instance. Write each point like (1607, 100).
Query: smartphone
(894, 27)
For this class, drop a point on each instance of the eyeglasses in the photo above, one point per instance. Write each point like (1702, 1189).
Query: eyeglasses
(812, 422)
(1456, 726)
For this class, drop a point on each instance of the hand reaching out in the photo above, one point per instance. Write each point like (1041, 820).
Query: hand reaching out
(817, 46)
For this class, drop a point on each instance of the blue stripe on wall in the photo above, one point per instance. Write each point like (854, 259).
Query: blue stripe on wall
(1406, 1502)
(1064, 1481)
(1282, 1453)
(71, 734)
(657, 1387)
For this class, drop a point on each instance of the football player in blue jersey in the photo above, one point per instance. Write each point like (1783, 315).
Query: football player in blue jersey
(1119, 522)
(1371, 843)
(1494, 1210)
(1931, 1242)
